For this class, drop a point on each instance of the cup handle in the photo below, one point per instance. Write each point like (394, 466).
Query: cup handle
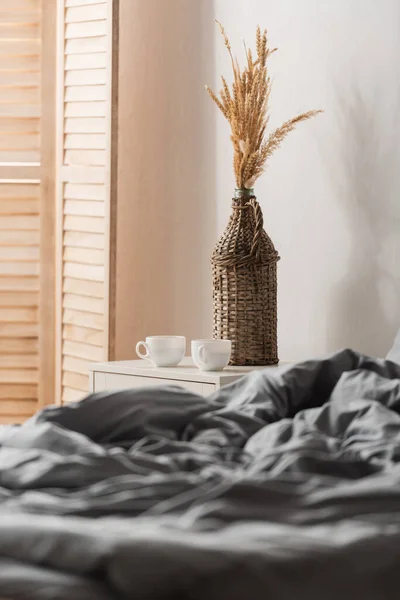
(201, 357)
(144, 356)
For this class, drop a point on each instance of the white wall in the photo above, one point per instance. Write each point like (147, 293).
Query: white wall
(331, 196)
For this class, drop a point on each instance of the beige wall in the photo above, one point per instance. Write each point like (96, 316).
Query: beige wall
(331, 193)
(167, 200)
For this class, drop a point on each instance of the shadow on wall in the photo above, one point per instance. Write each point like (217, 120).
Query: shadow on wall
(365, 307)
(166, 167)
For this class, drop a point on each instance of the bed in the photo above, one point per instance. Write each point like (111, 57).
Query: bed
(282, 485)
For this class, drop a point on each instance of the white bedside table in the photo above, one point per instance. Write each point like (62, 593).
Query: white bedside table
(139, 373)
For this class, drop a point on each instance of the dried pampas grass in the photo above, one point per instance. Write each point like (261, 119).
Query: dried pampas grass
(245, 106)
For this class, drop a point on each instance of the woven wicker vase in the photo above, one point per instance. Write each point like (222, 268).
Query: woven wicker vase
(244, 285)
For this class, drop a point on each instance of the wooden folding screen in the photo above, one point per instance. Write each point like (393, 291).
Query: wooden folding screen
(58, 78)
(20, 109)
(87, 38)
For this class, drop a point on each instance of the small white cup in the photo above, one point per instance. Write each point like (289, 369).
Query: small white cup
(211, 355)
(163, 350)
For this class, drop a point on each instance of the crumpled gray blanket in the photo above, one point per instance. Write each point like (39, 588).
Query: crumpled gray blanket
(282, 485)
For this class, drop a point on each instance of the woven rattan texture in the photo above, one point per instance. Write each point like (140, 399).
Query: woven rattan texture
(245, 287)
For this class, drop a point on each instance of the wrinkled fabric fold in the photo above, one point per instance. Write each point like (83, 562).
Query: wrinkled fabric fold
(284, 484)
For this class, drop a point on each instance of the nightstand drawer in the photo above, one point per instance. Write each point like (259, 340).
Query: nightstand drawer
(115, 381)
(119, 375)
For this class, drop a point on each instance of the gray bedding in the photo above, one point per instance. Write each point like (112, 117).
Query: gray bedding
(279, 486)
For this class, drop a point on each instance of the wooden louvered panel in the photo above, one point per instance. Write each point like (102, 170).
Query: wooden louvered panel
(70, 395)
(79, 125)
(18, 391)
(77, 381)
(10, 346)
(11, 254)
(19, 284)
(85, 93)
(8, 267)
(93, 289)
(20, 81)
(20, 107)
(88, 304)
(18, 315)
(87, 141)
(19, 126)
(83, 319)
(84, 240)
(85, 158)
(85, 61)
(86, 12)
(17, 419)
(73, 191)
(24, 191)
(83, 334)
(19, 156)
(19, 110)
(19, 330)
(18, 16)
(14, 30)
(17, 237)
(84, 256)
(19, 299)
(17, 77)
(16, 62)
(82, 350)
(87, 29)
(82, 174)
(18, 223)
(9, 375)
(29, 47)
(21, 253)
(85, 45)
(12, 407)
(21, 142)
(79, 302)
(82, 224)
(76, 365)
(83, 271)
(16, 206)
(26, 5)
(19, 361)
(84, 208)
(16, 411)
(84, 109)
(19, 93)
(83, 2)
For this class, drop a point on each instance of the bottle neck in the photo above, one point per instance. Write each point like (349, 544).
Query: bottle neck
(243, 193)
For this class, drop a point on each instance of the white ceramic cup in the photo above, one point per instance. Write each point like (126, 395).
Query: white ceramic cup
(163, 350)
(211, 355)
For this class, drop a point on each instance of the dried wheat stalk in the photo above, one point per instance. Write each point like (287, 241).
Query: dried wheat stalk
(245, 106)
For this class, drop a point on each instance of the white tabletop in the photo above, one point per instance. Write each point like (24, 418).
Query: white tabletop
(185, 371)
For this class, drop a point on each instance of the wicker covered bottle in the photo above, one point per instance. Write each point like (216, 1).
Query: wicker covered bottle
(245, 285)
